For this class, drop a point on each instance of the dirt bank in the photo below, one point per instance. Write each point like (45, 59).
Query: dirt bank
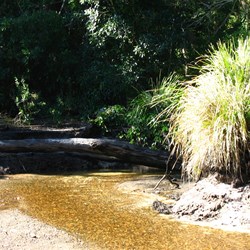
(216, 204)
(21, 232)
(206, 203)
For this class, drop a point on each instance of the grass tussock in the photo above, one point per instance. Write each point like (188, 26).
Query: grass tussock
(166, 96)
(210, 127)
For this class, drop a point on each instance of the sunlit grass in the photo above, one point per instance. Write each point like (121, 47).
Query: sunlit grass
(209, 127)
(166, 97)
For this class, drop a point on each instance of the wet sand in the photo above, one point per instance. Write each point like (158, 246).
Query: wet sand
(21, 232)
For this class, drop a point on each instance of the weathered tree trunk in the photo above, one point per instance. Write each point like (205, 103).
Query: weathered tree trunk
(103, 149)
(8, 133)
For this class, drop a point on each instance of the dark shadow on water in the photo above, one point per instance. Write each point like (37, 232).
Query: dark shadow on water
(93, 173)
(3, 177)
(67, 165)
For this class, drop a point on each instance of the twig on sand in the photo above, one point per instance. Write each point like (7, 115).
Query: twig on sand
(168, 175)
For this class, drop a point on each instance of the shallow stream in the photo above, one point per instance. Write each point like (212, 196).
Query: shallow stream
(90, 206)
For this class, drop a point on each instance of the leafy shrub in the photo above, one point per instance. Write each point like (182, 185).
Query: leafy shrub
(211, 126)
(147, 121)
(28, 103)
(109, 119)
(138, 118)
(137, 122)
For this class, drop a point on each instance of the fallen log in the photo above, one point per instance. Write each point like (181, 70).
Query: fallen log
(60, 162)
(104, 149)
(8, 133)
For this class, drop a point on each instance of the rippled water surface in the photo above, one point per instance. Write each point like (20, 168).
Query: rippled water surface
(91, 206)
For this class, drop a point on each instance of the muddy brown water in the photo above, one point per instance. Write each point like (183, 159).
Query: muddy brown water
(90, 206)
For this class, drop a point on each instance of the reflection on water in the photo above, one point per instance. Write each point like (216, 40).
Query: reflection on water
(90, 206)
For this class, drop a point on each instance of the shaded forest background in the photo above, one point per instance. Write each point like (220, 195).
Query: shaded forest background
(95, 60)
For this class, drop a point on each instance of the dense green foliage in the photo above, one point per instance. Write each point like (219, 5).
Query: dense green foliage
(147, 122)
(142, 121)
(73, 58)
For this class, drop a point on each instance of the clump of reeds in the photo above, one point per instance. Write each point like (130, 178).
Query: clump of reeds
(210, 125)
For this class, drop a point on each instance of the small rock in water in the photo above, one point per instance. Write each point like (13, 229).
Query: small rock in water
(161, 207)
